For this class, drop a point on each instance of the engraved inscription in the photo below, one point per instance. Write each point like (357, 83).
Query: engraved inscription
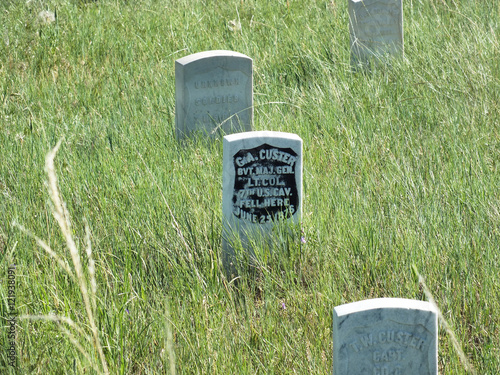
(265, 187)
(387, 349)
(218, 97)
(388, 370)
(217, 83)
(211, 118)
(402, 338)
(217, 100)
(387, 355)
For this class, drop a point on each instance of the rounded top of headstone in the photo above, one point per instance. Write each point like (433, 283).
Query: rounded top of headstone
(384, 303)
(210, 54)
(261, 134)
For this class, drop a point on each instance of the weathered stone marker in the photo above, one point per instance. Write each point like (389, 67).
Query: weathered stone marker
(385, 336)
(213, 93)
(262, 186)
(376, 29)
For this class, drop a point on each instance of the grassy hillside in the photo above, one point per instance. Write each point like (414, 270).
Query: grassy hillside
(401, 170)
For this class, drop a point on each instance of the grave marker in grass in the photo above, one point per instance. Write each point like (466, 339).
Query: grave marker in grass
(213, 93)
(376, 29)
(385, 336)
(262, 187)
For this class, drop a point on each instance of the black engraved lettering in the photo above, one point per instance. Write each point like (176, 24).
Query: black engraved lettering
(268, 194)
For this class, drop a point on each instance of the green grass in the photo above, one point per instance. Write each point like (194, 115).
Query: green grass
(401, 169)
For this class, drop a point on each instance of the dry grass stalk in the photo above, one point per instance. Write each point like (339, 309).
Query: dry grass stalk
(170, 342)
(468, 366)
(61, 215)
(91, 267)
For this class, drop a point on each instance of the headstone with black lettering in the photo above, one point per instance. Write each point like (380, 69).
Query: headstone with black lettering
(262, 186)
(213, 93)
(376, 29)
(385, 336)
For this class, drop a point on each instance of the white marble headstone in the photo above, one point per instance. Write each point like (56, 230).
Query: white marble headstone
(376, 29)
(262, 185)
(213, 93)
(385, 336)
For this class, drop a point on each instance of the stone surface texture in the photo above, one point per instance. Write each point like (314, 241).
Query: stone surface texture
(385, 336)
(262, 185)
(376, 29)
(213, 93)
